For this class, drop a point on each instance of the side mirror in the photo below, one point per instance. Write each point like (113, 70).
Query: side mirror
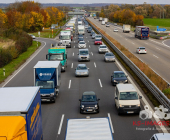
(47, 56)
(140, 97)
(116, 98)
(79, 99)
(98, 99)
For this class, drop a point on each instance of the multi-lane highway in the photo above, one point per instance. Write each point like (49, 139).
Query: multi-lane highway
(157, 56)
(55, 115)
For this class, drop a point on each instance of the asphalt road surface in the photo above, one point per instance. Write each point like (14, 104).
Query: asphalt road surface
(158, 54)
(67, 104)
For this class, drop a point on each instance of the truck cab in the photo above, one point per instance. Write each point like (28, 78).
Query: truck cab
(65, 38)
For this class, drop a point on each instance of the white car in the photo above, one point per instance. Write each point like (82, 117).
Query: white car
(161, 136)
(141, 50)
(107, 25)
(81, 44)
(115, 30)
(33, 37)
(103, 49)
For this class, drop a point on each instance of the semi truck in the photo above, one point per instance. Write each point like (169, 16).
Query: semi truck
(20, 113)
(58, 53)
(65, 38)
(142, 32)
(81, 29)
(72, 32)
(126, 28)
(100, 18)
(89, 129)
(106, 20)
(47, 76)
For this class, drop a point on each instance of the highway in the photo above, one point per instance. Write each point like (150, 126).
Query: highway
(157, 56)
(55, 115)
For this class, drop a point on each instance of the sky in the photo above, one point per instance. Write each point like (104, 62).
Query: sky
(96, 1)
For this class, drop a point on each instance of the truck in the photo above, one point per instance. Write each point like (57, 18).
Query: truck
(72, 32)
(103, 22)
(106, 20)
(89, 129)
(142, 32)
(20, 113)
(71, 25)
(65, 38)
(126, 28)
(47, 76)
(81, 29)
(58, 53)
(100, 18)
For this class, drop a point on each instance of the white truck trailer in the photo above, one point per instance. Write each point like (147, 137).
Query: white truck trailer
(89, 129)
(100, 18)
(126, 28)
(106, 20)
(103, 22)
(81, 29)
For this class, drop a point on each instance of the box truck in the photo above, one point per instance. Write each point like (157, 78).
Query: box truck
(58, 53)
(47, 76)
(100, 18)
(20, 113)
(142, 32)
(126, 28)
(89, 129)
(65, 38)
(106, 20)
(81, 29)
(103, 22)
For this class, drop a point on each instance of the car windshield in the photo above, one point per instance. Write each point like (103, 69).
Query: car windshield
(81, 42)
(128, 96)
(45, 84)
(81, 30)
(98, 39)
(103, 47)
(56, 57)
(65, 37)
(142, 48)
(88, 98)
(81, 67)
(98, 36)
(109, 54)
(81, 39)
(84, 52)
(119, 75)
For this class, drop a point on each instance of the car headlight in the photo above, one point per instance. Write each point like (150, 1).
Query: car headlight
(121, 106)
(115, 81)
(62, 67)
(126, 80)
(82, 106)
(51, 94)
(106, 58)
(95, 106)
(138, 105)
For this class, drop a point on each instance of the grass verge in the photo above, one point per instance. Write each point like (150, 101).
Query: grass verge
(14, 64)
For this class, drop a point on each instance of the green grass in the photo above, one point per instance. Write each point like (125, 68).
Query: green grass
(14, 64)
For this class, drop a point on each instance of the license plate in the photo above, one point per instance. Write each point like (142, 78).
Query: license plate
(89, 109)
(43, 99)
(130, 112)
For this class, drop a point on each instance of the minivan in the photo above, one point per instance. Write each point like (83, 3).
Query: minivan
(127, 99)
(83, 55)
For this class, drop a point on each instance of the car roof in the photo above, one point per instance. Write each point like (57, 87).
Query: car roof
(103, 45)
(81, 41)
(118, 72)
(162, 136)
(125, 87)
(109, 53)
(81, 65)
(89, 93)
(83, 49)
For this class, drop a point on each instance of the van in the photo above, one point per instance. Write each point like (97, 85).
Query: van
(98, 36)
(127, 99)
(83, 55)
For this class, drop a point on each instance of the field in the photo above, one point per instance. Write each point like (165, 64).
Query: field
(152, 23)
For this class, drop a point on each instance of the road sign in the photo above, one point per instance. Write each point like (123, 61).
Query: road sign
(160, 29)
(39, 33)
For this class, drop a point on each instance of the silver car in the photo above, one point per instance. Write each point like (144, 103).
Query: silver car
(109, 57)
(82, 70)
(102, 49)
(93, 36)
(83, 55)
(81, 44)
(141, 50)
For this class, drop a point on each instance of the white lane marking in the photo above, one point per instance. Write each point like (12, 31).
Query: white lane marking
(133, 43)
(86, 37)
(61, 123)
(164, 43)
(25, 64)
(100, 83)
(69, 84)
(91, 53)
(160, 43)
(120, 35)
(94, 64)
(155, 56)
(72, 65)
(146, 43)
(74, 46)
(73, 54)
(89, 46)
(158, 48)
(125, 38)
(75, 37)
(74, 41)
(110, 122)
(88, 41)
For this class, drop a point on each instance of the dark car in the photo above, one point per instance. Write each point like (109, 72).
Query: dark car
(92, 32)
(80, 39)
(89, 29)
(80, 36)
(98, 42)
(118, 77)
(89, 103)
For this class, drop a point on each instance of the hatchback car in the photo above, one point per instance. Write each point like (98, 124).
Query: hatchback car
(118, 77)
(115, 30)
(81, 44)
(109, 57)
(93, 36)
(107, 25)
(89, 103)
(102, 49)
(82, 70)
(141, 50)
(80, 39)
(98, 42)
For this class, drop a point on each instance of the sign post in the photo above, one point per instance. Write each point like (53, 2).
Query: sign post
(52, 33)
(39, 33)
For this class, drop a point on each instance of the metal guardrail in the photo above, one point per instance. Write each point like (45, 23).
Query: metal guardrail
(148, 83)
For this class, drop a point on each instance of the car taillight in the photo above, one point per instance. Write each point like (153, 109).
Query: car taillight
(145, 50)
(139, 50)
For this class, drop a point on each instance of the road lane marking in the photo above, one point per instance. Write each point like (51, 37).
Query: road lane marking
(160, 43)
(100, 83)
(120, 35)
(88, 41)
(89, 46)
(86, 37)
(155, 56)
(73, 54)
(158, 48)
(74, 41)
(94, 64)
(125, 38)
(61, 123)
(75, 37)
(91, 53)
(72, 65)
(133, 43)
(146, 43)
(69, 84)
(74, 46)
(110, 122)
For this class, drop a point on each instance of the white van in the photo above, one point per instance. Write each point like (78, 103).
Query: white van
(127, 99)
(98, 36)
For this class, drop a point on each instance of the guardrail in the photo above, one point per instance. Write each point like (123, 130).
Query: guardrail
(148, 83)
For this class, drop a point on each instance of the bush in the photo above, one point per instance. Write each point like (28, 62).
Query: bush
(13, 51)
(167, 92)
(5, 57)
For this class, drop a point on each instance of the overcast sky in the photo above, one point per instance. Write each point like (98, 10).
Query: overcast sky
(96, 1)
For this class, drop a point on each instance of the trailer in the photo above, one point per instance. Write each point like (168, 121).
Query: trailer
(105, 19)
(89, 129)
(81, 29)
(142, 32)
(20, 113)
(126, 28)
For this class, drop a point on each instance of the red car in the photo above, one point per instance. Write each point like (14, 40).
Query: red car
(98, 42)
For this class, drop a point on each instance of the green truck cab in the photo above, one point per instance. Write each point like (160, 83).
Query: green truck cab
(58, 53)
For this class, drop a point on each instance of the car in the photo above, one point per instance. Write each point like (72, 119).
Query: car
(98, 42)
(83, 55)
(92, 32)
(89, 29)
(93, 36)
(80, 39)
(115, 24)
(141, 50)
(102, 49)
(89, 103)
(160, 136)
(115, 30)
(107, 25)
(80, 36)
(81, 44)
(33, 37)
(86, 26)
(118, 77)
(109, 57)
(82, 70)
(98, 36)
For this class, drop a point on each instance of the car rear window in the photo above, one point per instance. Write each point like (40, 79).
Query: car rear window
(142, 48)
(98, 39)
(103, 47)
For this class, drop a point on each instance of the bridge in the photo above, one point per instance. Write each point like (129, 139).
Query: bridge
(75, 13)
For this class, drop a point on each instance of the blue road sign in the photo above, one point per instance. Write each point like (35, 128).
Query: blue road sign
(160, 29)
